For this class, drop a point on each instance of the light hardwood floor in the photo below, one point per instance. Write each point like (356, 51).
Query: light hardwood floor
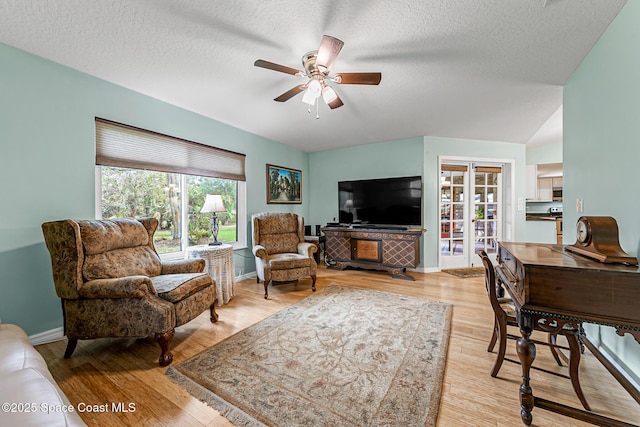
(125, 371)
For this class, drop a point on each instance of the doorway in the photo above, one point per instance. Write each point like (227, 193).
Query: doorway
(471, 223)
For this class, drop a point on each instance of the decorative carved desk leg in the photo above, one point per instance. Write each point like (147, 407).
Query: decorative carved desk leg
(164, 340)
(527, 354)
(574, 365)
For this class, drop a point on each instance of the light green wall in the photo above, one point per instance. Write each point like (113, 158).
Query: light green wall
(47, 166)
(601, 151)
(548, 153)
(382, 160)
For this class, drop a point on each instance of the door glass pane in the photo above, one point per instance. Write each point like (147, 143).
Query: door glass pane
(445, 194)
(445, 213)
(457, 247)
(492, 178)
(491, 211)
(458, 194)
(492, 194)
(491, 229)
(458, 211)
(457, 178)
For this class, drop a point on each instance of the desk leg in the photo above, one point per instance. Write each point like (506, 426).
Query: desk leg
(526, 353)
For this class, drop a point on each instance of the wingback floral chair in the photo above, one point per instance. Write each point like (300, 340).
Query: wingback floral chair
(280, 250)
(113, 284)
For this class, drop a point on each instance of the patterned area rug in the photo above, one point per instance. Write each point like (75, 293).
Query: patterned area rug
(465, 273)
(344, 356)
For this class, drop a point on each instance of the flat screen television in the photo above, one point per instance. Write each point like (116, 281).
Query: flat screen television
(381, 202)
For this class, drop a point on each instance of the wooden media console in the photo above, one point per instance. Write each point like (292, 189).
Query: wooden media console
(391, 250)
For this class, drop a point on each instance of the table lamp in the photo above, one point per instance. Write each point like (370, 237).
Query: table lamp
(213, 204)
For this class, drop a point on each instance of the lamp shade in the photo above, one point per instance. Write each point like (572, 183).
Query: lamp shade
(328, 94)
(314, 89)
(213, 203)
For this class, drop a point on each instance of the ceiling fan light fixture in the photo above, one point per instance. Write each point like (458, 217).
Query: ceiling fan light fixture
(308, 97)
(315, 87)
(328, 94)
(314, 90)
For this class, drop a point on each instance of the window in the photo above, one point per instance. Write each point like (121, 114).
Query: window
(134, 181)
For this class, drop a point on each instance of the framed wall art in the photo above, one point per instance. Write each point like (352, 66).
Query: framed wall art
(284, 185)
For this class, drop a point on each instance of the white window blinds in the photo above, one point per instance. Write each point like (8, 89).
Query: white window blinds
(125, 146)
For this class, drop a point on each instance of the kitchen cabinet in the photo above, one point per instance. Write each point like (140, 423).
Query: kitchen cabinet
(545, 189)
(557, 182)
(538, 189)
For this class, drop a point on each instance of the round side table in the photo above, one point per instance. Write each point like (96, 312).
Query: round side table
(219, 265)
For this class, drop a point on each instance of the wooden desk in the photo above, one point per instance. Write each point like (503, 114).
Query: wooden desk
(553, 287)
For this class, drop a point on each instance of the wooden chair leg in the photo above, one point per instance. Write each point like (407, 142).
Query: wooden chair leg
(494, 336)
(214, 315)
(164, 340)
(552, 340)
(72, 342)
(266, 285)
(502, 347)
(313, 282)
(574, 365)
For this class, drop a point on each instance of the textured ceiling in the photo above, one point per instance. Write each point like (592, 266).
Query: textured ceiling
(475, 69)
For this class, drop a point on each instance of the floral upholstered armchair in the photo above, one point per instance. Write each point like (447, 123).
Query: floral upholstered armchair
(280, 250)
(112, 282)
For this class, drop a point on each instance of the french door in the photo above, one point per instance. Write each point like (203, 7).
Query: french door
(470, 212)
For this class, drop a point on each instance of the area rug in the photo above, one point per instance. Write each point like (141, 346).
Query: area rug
(344, 356)
(465, 273)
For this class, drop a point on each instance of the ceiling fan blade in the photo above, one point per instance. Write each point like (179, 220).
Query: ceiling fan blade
(328, 52)
(335, 103)
(277, 67)
(358, 78)
(291, 93)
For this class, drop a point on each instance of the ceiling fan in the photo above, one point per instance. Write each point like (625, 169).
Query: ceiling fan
(317, 67)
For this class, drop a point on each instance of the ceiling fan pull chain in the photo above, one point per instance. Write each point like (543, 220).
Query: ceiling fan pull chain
(317, 113)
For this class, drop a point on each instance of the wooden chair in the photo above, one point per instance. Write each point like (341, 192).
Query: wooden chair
(505, 315)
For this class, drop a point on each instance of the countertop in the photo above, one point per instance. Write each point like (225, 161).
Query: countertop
(542, 217)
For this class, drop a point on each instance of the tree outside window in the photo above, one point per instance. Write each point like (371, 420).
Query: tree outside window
(140, 193)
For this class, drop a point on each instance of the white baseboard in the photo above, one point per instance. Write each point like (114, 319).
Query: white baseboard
(251, 275)
(46, 337)
(425, 270)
